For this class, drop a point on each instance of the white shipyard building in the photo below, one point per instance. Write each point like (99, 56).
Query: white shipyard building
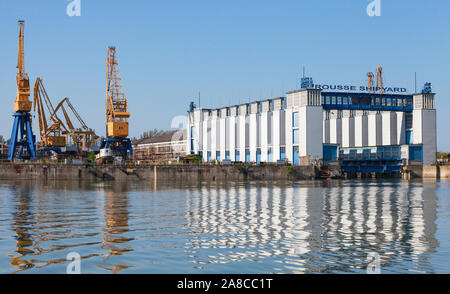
(364, 132)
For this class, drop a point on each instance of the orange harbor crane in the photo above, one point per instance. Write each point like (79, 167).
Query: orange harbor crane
(22, 134)
(116, 143)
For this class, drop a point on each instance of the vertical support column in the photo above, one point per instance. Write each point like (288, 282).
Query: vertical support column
(276, 133)
(401, 128)
(335, 130)
(206, 135)
(232, 131)
(188, 133)
(348, 130)
(242, 132)
(222, 142)
(359, 131)
(389, 127)
(339, 131)
(326, 129)
(311, 140)
(214, 134)
(253, 131)
(424, 126)
(197, 131)
(374, 129)
(264, 121)
(289, 135)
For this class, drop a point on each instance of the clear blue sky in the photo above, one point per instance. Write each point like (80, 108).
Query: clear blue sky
(231, 51)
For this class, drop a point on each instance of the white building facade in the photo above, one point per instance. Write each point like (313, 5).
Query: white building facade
(309, 125)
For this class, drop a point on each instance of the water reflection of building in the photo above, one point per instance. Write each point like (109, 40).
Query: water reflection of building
(309, 228)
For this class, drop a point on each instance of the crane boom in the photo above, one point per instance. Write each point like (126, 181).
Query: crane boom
(51, 136)
(22, 103)
(85, 137)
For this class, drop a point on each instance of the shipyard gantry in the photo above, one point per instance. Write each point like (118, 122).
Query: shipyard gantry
(58, 134)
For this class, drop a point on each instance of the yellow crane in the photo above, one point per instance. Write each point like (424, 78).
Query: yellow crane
(22, 103)
(83, 137)
(117, 113)
(369, 82)
(380, 80)
(22, 133)
(52, 130)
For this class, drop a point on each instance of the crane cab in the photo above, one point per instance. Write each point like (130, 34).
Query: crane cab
(117, 129)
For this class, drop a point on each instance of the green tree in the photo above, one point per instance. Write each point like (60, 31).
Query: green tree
(91, 156)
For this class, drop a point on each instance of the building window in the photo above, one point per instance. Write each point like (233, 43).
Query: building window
(260, 105)
(284, 103)
(269, 155)
(339, 100)
(408, 120)
(296, 137)
(295, 119)
(192, 138)
(415, 153)
(227, 155)
(228, 112)
(409, 137)
(247, 155)
(333, 99)
(208, 156)
(237, 156)
(258, 155)
(282, 153)
(296, 155)
(239, 111)
(272, 106)
(217, 155)
(328, 100)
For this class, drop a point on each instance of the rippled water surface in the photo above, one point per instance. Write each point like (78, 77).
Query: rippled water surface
(300, 227)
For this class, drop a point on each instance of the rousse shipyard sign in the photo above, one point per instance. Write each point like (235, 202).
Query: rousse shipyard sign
(360, 88)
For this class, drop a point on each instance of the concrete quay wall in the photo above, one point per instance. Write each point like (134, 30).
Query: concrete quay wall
(154, 172)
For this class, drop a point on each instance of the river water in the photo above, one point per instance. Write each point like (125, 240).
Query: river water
(327, 226)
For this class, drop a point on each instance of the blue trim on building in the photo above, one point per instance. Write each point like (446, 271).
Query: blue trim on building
(383, 160)
(367, 101)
